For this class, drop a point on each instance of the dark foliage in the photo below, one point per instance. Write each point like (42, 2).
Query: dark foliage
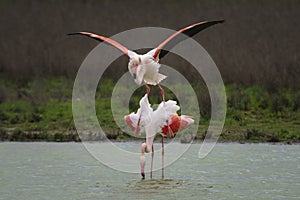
(258, 44)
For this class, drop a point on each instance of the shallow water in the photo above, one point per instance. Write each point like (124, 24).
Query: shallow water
(230, 171)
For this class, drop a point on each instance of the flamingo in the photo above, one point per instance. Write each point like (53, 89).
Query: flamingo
(145, 68)
(163, 120)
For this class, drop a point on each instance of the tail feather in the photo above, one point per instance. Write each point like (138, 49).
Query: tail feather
(186, 121)
(160, 77)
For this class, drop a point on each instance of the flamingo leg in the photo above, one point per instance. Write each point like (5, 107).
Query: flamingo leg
(162, 92)
(152, 156)
(163, 157)
(147, 88)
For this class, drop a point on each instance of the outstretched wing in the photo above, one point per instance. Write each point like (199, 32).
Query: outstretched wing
(174, 39)
(114, 43)
(176, 123)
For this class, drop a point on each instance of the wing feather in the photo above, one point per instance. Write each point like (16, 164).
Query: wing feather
(100, 38)
(175, 38)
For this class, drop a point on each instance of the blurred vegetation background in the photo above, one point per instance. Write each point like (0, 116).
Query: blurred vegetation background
(256, 50)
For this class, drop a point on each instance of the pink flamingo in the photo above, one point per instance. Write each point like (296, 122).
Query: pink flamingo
(163, 120)
(145, 68)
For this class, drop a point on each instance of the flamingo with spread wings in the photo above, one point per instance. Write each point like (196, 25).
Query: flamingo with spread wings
(145, 68)
(163, 120)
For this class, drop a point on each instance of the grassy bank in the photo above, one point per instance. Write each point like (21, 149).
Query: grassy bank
(41, 110)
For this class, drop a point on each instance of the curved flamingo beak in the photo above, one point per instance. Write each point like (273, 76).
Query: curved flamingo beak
(143, 163)
(134, 70)
(143, 174)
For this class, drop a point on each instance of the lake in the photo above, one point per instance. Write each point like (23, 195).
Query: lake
(30, 171)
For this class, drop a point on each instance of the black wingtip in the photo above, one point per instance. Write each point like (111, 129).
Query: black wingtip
(76, 33)
(217, 21)
(210, 23)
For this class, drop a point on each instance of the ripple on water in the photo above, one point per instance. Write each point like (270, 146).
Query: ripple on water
(170, 188)
(33, 171)
(161, 184)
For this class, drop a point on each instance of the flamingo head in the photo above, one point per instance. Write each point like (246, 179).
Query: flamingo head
(143, 159)
(143, 163)
(133, 65)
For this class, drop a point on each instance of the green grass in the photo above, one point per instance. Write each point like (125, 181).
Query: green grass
(42, 110)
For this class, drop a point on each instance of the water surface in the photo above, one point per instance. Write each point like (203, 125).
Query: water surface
(231, 171)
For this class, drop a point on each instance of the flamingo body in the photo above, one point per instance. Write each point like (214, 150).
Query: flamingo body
(145, 68)
(163, 120)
